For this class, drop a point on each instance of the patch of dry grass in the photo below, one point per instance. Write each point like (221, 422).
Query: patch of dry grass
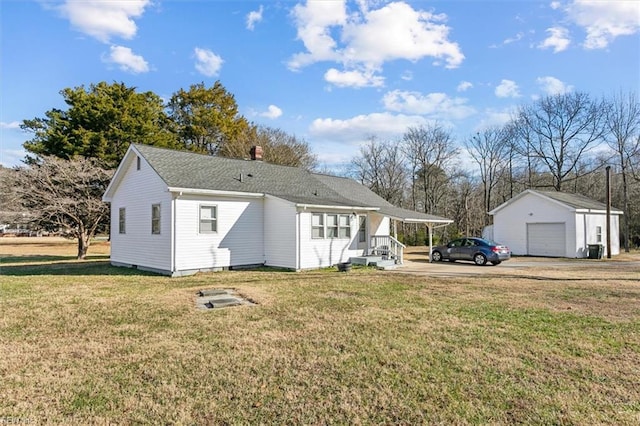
(96, 344)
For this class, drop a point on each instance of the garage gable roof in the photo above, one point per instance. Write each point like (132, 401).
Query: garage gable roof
(575, 202)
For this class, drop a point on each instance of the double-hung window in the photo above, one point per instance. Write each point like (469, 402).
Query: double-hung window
(317, 225)
(330, 225)
(122, 220)
(598, 234)
(208, 219)
(155, 218)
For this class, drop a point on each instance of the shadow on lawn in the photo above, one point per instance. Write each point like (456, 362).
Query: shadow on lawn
(86, 267)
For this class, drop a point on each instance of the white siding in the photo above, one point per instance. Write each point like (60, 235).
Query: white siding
(324, 252)
(587, 233)
(238, 240)
(280, 243)
(510, 222)
(138, 190)
(379, 225)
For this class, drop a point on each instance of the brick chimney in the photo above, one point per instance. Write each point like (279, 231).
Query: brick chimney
(256, 153)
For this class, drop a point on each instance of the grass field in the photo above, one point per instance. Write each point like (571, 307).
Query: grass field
(86, 343)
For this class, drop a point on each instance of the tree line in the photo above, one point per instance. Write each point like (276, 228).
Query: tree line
(560, 142)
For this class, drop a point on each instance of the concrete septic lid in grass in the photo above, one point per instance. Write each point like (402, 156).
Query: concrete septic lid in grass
(219, 298)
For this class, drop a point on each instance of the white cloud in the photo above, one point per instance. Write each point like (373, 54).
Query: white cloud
(253, 17)
(10, 125)
(491, 117)
(353, 78)
(364, 39)
(507, 89)
(397, 31)
(103, 19)
(517, 37)
(558, 39)
(555, 5)
(272, 112)
(553, 86)
(207, 62)
(605, 20)
(437, 105)
(314, 22)
(360, 128)
(127, 60)
(407, 75)
(464, 86)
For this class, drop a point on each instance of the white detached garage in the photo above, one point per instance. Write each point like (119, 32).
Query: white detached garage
(555, 224)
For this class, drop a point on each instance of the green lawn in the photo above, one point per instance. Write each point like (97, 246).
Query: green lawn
(88, 343)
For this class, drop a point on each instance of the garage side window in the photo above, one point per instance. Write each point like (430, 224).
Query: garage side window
(598, 234)
(208, 219)
(155, 218)
(122, 220)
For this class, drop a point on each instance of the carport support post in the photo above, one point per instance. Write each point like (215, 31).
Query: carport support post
(430, 226)
(608, 212)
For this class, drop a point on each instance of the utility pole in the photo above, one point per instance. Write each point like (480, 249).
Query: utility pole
(608, 212)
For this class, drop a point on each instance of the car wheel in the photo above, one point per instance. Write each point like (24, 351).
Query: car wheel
(436, 256)
(480, 259)
(497, 262)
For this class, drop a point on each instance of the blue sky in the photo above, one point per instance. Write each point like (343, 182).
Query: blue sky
(331, 72)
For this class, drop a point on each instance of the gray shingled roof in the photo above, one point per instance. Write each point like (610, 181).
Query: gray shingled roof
(575, 201)
(180, 169)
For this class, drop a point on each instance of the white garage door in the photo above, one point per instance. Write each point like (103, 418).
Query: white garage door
(546, 239)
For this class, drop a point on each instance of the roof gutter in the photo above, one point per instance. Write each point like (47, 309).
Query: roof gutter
(322, 206)
(194, 191)
(410, 220)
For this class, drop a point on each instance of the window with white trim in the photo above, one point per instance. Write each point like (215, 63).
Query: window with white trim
(317, 225)
(155, 218)
(344, 226)
(332, 226)
(122, 220)
(325, 225)
(208, 219)
(598, 234)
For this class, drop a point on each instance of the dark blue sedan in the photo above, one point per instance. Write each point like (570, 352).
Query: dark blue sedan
(477, 250)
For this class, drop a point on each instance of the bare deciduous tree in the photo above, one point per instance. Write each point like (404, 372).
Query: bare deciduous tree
(65, 194)
(279, 147)
(623, 125)
(430, 151)
(380, 168)
(560, 130)
(490, 150)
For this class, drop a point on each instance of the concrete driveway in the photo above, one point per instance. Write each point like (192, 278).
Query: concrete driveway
(417, 262)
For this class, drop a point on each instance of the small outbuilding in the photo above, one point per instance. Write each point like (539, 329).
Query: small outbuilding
(555, 224)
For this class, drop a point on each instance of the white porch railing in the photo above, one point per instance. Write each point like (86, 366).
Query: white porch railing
(387, 246)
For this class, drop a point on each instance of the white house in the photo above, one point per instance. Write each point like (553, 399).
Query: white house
(178, 212)
(556, 224)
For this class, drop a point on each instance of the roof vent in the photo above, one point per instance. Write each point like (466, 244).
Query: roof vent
(256, 153)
